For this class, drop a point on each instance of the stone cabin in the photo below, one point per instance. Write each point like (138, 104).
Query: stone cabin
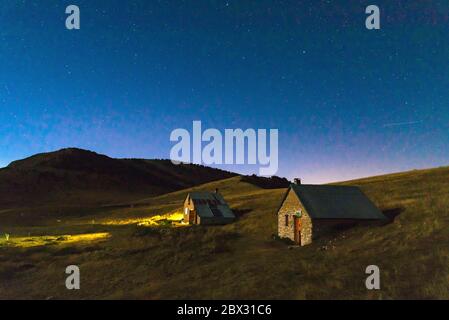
(207, 208)
(308, 211)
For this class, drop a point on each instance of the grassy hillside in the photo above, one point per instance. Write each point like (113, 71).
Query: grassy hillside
(75, 176)
(242, 260)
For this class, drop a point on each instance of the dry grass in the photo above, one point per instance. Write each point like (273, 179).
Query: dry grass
(37, 241)
(241, 260)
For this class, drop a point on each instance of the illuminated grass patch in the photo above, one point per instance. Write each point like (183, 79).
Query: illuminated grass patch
(170, 219)
(36, 241)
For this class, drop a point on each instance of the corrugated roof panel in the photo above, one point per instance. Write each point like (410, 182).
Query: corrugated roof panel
(226, 211)
(210, 205)
(204, 211)
(216, 212)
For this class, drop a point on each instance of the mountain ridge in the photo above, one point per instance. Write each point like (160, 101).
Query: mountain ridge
(88, 177)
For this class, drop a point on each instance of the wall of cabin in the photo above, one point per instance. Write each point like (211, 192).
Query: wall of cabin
(286, 226)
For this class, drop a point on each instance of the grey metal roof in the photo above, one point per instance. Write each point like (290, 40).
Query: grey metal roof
(211, 205)
(336, 202)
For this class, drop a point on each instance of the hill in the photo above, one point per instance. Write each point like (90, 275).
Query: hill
(241, 260)
(74, 176)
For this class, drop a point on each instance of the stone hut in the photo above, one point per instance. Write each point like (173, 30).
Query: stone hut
(207, 208)
(310, 210)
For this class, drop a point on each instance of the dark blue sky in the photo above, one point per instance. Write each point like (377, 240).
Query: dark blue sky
(348, 102)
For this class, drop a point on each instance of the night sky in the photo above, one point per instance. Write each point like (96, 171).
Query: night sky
(348, 102)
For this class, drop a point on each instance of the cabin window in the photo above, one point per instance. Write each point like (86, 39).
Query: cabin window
(286, 220)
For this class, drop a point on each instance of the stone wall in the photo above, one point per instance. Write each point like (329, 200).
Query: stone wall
(326, 227)
(190, 217)
(306, 230)
(289, 208)
(290, 205)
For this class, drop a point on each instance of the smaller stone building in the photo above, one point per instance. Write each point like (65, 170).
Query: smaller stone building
(310, 210)
(207, 208)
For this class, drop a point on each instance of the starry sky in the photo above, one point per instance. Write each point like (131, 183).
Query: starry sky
(348, 102)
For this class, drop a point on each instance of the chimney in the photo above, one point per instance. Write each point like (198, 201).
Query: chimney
(297, 181)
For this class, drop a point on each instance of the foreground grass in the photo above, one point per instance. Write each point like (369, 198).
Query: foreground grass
(242, 261)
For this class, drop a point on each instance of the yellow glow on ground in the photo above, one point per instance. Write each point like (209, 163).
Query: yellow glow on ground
(169, 219)
(27, 242)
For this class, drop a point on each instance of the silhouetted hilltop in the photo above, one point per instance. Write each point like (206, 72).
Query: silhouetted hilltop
(83, 177)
